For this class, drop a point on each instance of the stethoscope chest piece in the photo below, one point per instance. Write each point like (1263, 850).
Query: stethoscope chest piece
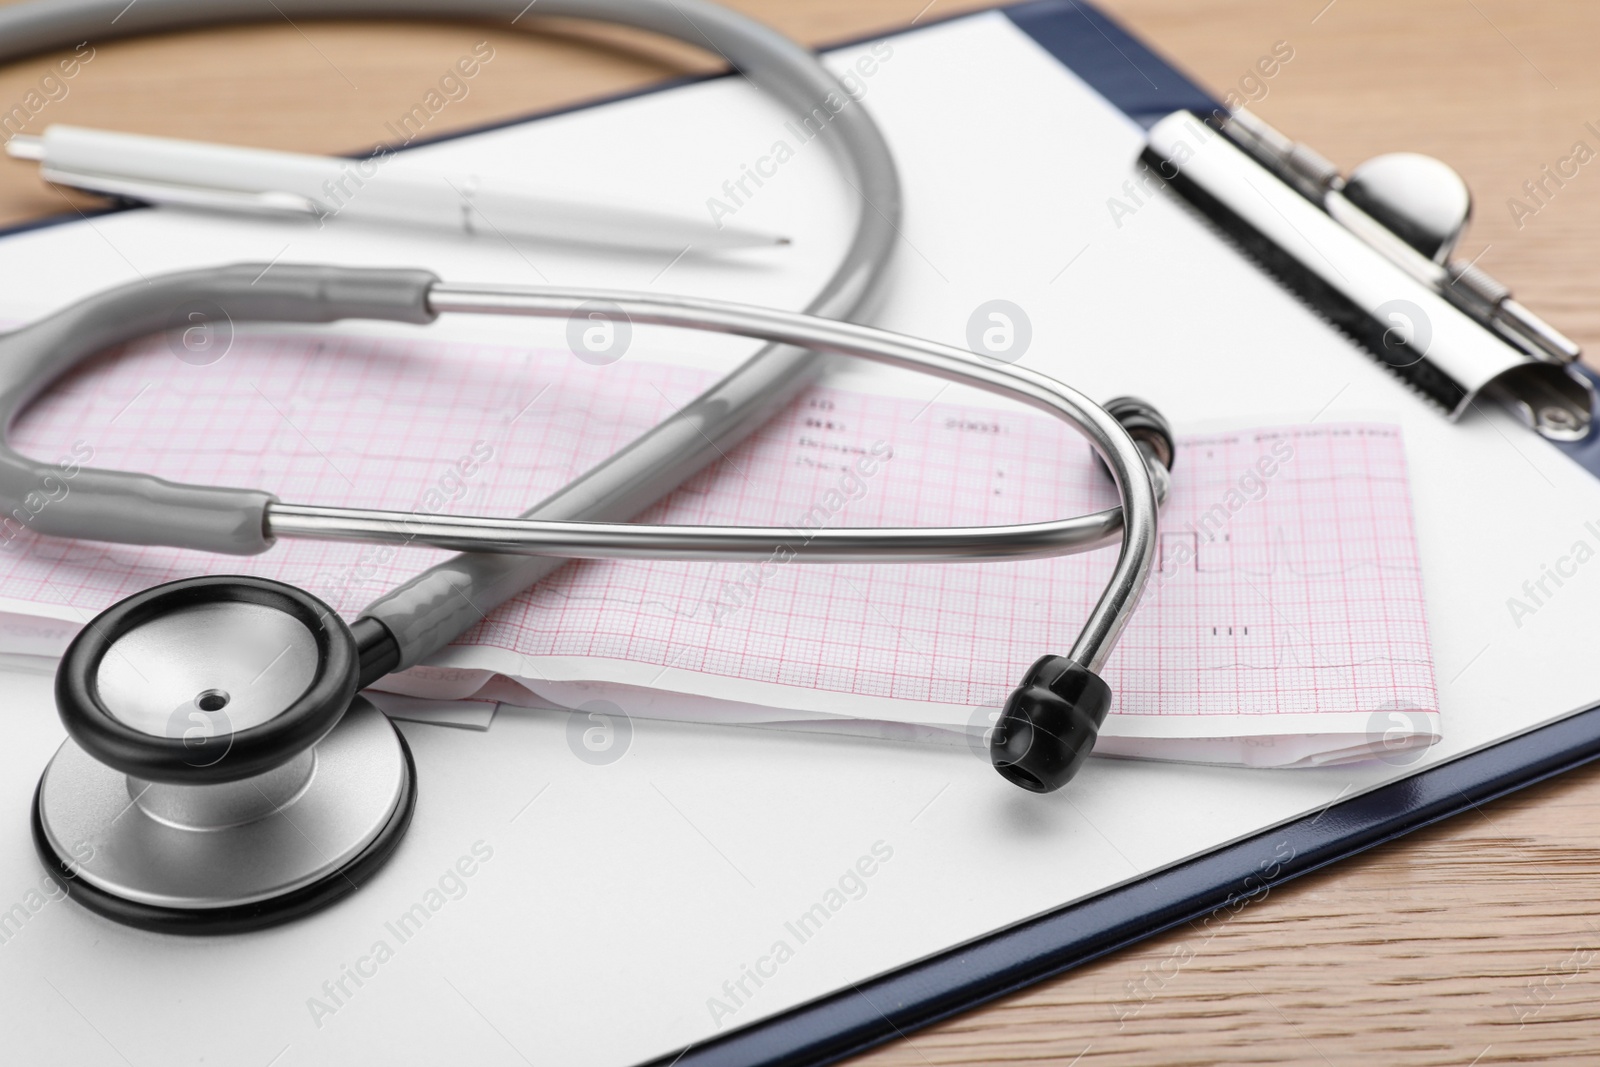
(220, 773)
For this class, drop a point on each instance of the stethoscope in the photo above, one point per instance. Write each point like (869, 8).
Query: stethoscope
(221, 772)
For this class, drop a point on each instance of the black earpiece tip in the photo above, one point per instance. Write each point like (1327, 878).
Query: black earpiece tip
(1049, 724)
(1146, 424)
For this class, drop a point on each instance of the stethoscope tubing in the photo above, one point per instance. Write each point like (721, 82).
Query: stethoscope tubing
(1046, 728)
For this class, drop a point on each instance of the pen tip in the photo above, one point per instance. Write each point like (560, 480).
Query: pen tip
(783, 241)
(25, 146)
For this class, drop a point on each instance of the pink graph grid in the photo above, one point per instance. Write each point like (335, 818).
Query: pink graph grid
(1288, 580)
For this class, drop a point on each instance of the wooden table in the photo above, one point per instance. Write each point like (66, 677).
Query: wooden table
(1474, 942)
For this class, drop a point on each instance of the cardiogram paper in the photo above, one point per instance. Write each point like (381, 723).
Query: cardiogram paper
(1285, 612)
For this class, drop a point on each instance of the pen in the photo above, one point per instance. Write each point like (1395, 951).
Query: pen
(381, 187)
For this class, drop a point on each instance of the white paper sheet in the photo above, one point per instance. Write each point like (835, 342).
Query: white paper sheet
(1286, 602)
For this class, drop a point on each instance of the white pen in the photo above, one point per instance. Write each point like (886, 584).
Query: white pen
(383, 187)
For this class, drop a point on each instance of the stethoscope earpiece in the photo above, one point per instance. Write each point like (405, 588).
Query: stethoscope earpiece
(1147, 426)
(220, 773)
(1049, 724)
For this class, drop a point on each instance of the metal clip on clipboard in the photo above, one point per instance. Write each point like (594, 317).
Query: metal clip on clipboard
(1372, 252)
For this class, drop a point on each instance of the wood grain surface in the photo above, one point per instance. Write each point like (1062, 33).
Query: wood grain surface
(1475, 942)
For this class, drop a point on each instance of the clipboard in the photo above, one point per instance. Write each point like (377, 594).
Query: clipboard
(1147, 88)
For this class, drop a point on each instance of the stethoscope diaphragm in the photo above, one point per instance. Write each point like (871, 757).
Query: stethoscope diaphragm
(220, 773)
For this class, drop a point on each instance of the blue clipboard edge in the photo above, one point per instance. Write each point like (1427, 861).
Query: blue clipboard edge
(921, 994)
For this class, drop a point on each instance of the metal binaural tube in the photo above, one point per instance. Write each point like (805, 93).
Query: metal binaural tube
(602, 540)
(1127, 461)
